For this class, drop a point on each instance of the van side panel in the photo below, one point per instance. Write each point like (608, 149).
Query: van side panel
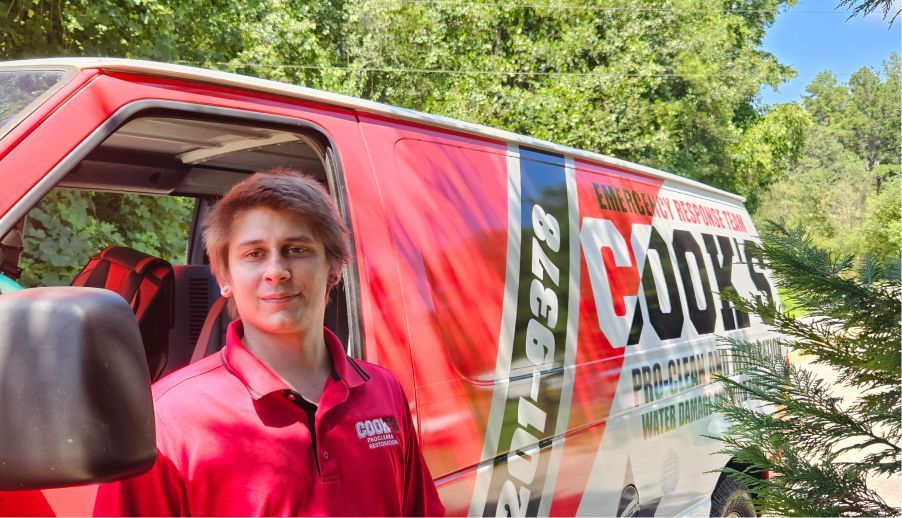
(446, 208)
(605, 255)
(563, 315)
(553, 321)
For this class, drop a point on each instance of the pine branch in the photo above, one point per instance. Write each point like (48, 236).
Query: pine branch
(789, 422)
(825, 285)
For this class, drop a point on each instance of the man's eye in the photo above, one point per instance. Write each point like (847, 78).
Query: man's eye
(254, 254)
(296, 250)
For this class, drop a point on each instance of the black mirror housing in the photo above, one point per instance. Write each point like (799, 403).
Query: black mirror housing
(75, 399)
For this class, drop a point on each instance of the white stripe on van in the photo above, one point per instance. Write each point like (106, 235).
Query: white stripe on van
(505, 337)
(563, 416)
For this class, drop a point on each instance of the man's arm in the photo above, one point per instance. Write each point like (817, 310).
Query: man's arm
(159, 492)
(420, 495)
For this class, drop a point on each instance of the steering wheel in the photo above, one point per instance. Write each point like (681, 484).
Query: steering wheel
(8, 285)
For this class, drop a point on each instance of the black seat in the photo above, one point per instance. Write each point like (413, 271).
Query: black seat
(195, 292)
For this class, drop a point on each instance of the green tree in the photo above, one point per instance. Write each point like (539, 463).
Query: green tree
(864, 113)
(826, 193)
(800, 429)
(871, 117)
(304, 35)
(880, 229)
(837, 188)
(826, 100)
(768, 149)
(669, 85)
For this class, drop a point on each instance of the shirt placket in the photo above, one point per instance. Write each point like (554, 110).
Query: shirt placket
(309, 410)
(334, 393)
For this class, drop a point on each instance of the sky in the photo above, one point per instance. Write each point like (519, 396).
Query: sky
(811, 37)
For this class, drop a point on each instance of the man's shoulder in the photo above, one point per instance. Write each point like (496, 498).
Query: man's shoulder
(189, 379)
(371, 371)
(377, 377)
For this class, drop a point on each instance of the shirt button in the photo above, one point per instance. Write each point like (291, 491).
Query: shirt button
(326, 455)
(291, 397)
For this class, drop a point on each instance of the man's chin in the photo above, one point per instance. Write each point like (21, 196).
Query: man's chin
(275, 325)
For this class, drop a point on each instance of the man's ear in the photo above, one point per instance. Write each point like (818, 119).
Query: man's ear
(334, 278)
(225, 285)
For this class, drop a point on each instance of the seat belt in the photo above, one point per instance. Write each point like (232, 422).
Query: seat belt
(213, 316)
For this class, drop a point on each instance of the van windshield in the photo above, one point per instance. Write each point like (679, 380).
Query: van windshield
(19, 89)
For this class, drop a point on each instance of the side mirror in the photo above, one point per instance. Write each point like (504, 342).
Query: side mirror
(75, 400)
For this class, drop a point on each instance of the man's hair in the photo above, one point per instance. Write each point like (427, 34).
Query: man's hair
(279, 189)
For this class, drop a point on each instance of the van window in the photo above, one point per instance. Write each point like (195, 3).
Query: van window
(70, 225)
(148, 186)
(20, 88)
(139, 189)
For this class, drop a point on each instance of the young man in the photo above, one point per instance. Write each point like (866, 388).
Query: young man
(281, 421)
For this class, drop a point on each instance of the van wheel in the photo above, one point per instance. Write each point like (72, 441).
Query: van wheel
(629, 502)
(731, 499)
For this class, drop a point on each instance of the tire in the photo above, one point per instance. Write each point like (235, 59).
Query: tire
(629, 502)
(731, 498)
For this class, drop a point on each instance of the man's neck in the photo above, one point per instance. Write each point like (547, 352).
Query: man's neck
(301, 360)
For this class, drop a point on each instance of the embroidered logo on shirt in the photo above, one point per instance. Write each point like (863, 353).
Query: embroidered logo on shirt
(379, 432)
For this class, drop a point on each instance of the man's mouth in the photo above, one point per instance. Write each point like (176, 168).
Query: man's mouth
(278, 297)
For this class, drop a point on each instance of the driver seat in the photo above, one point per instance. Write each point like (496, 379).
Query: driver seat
(147, 283)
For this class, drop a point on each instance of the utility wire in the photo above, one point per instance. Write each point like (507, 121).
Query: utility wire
(402, 70)
(516, 5)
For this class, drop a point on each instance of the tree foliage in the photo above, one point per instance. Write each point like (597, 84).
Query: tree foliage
(671, 85)
(668, 84)
(803, 429)
(67, 227)
(844, 187)
(866, 7)
(304, 35)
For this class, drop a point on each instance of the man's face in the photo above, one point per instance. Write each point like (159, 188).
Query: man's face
(278, 272)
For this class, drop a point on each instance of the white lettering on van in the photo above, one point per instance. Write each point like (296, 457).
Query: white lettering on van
(523, 459)
(615, 316)
(660, 273)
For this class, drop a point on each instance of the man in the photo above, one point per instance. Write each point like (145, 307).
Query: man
(281, 421)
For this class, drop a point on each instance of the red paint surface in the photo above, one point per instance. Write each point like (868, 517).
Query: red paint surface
(52, 132)
(445, 201)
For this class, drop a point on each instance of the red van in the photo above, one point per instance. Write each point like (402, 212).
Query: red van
(553, 314)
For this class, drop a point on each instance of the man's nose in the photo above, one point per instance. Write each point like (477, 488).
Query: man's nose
(276, 269)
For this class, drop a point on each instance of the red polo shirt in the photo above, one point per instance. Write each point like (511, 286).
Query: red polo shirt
(234, 440)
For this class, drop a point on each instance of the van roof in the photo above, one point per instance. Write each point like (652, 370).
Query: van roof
(255, 84)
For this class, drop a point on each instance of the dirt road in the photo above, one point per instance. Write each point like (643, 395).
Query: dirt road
(890, 489)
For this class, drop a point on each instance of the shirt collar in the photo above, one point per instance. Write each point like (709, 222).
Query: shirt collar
(260, 381)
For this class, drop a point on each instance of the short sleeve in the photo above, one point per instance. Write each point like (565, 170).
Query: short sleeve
(420, 495)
